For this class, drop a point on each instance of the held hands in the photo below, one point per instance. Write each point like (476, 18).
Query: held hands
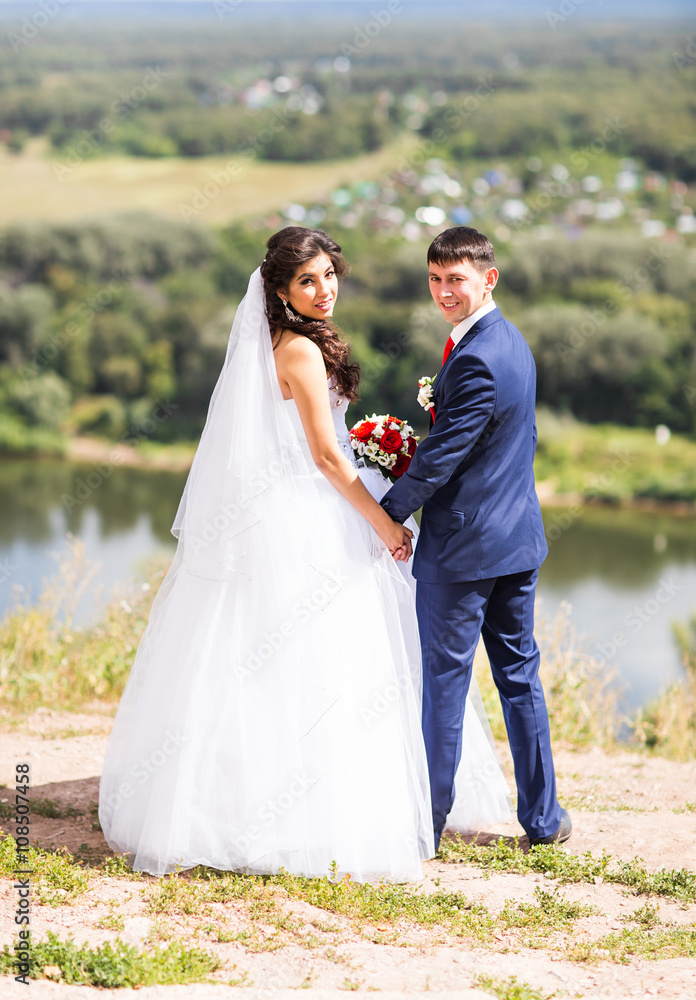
(399, 542)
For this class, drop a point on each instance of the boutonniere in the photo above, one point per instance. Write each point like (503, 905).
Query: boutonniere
(425, 392)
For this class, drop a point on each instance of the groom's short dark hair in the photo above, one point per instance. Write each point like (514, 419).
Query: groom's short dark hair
(462, 243)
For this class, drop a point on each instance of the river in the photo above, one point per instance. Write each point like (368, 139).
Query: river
(626, 574)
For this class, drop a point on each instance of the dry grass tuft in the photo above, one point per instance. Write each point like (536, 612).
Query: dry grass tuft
(668, 725)
(47, 660)
(582, 694)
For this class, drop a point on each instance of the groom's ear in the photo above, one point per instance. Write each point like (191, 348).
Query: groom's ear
(491, 279)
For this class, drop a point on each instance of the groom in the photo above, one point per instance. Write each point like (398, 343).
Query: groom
(482, 539)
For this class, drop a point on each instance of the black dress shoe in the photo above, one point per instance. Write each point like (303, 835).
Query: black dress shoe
(563, 832)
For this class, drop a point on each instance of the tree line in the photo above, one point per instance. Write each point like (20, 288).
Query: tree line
(488, 92)
(104, 323)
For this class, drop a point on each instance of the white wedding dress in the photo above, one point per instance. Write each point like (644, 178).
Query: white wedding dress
(272, 716)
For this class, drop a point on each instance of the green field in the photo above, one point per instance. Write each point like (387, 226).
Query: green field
(35, 185)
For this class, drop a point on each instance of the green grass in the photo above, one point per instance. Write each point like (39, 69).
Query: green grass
(510, 989)
(547, 922)
(591, 803)
(114, 965)
(362, 903)
(554, 862)
(647, 916)
(118, 867)
(192, 895)
(56, 878)
(113, 920)
(197, 903)
(51, 809)
(653, 945)
(606, 463)
(367, 903)
(122, 183)
(550, 910)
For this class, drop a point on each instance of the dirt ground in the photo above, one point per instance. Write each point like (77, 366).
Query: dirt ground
(624, 803)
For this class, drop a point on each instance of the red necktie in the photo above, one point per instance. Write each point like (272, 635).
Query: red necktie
(448, 350)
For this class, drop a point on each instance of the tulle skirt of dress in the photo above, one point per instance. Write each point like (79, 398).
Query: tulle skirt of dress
(272, 716)
(272, 719)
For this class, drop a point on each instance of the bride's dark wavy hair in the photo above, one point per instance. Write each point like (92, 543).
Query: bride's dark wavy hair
(286, 252)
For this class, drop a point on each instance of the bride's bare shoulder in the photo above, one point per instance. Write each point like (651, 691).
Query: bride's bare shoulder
(293, 347)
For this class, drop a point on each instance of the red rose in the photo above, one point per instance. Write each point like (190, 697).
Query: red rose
(391, 442)
(402, 463)
(411, 444)
(362, 431)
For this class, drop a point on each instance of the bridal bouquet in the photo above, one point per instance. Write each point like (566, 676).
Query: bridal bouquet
(385, 441)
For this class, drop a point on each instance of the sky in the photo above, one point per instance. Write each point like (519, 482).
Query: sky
(476, 9)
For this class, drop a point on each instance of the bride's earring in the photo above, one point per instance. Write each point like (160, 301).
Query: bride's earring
(292, 316)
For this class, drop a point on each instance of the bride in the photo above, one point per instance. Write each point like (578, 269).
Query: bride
(272, 716)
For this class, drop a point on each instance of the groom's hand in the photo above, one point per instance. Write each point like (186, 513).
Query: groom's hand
(405, 550)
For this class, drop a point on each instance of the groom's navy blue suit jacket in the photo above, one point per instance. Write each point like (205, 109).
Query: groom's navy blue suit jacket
(473, 475)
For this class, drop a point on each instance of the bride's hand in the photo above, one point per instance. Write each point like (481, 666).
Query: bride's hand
(398, 541)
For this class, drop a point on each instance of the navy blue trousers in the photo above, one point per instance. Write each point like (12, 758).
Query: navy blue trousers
(451, 617)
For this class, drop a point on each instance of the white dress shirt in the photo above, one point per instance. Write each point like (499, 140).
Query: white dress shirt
(461, 329)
